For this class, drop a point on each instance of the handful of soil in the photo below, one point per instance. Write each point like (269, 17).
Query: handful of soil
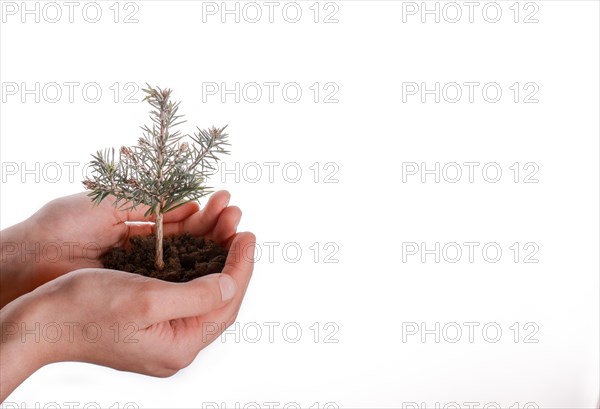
(186, 257)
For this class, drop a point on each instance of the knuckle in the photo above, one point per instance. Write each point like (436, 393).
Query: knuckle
(170, 363)
(206, 295)
(165, 373)
(183, 361)
(145, 303)
(235, 209)
(158, 366)
(231, 319)
(251, 237)
(177, 361)
(144, 307)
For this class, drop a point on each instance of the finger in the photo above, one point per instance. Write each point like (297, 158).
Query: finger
(172, 221)
(176, 215)
(226, 225)
(185, 218)
(198, 297)
(239, 264)
(202, 222)
(181, 213)
(240, 260)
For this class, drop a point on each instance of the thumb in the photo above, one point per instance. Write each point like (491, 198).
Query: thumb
(197, 297)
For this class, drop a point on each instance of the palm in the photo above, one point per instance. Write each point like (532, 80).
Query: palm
(74, 234)
(190, 334)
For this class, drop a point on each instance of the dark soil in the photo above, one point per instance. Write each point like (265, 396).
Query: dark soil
(186, 257)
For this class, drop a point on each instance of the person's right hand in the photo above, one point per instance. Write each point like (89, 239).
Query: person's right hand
(70, 233)
(122, 320)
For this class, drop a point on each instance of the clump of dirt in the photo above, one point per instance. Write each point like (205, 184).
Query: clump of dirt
(186, 257)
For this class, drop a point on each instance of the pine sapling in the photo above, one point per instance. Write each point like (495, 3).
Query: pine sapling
(163, 171)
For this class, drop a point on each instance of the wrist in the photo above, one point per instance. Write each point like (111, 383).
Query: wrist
(21, 352)
(16, 264)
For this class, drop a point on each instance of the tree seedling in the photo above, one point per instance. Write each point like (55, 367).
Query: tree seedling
(164, 171)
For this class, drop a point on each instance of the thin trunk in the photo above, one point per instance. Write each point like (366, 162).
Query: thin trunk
(160, 264)
(158, 261)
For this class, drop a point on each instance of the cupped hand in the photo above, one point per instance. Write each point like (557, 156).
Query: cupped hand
(71, 233)
(124, 321)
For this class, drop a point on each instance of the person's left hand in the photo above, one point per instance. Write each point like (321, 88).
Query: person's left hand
(138, 324)
(71, 233)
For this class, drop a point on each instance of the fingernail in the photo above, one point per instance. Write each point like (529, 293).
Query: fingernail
(228, 287)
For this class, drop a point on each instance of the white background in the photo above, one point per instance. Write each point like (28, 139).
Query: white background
(370, 296)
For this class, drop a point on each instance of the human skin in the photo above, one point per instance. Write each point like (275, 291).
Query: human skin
(147, 326)
(70, 233)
